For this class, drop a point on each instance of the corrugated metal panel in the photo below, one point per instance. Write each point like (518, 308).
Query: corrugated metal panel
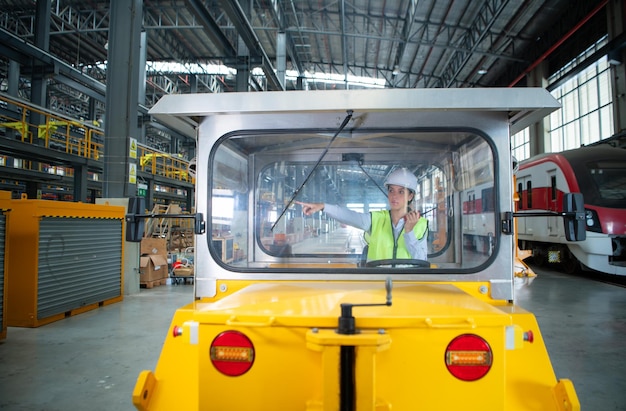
(80, 263)
(2, 253)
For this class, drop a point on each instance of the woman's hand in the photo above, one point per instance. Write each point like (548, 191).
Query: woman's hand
(310, 208)
(410, 219)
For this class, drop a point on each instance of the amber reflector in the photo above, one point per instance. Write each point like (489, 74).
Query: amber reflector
(232, 353)
(468, 357)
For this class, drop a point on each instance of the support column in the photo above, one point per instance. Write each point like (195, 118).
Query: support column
(92, 111)
(80, 183)
(193, 83)
(13, 90)
(13, 78)
(243, 69)
(150, 195)
(33, 190)
(38, 90)
(539, 137)
(243, 56)
(182, 144)
(122, 96)
(141, 90)
(301, 83)
(616, 15)
(189, 200)
(281, 56)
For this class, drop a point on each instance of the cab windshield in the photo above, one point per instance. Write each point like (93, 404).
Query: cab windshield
(258, 182)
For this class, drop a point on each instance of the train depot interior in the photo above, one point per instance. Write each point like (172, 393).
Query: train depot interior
(102, 177)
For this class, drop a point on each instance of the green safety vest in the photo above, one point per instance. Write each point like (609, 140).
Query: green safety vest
(380, 239)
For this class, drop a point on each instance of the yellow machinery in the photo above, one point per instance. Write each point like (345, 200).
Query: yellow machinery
(308, 323)
(63, 259)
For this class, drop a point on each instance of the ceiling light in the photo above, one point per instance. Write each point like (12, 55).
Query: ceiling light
(396, 70)
(482, 71)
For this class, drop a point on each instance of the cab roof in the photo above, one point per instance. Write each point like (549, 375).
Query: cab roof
(524, 106)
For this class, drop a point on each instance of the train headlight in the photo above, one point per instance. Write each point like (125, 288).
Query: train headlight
(592, 220)
(468, 357)
(232, 353)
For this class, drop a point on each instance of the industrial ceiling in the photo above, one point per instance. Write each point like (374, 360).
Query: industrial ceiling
(399, 43)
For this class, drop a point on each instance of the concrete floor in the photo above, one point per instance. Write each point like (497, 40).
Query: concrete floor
(91, 361)
(583, 323)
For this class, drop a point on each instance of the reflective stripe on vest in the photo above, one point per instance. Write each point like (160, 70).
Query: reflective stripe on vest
(382, 245)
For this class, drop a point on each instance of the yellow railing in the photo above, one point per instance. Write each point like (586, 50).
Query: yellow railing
(72, 137)
(162, 164)
(53, 130)
(78, 138)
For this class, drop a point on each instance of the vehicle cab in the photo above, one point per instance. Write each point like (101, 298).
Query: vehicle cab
(289, 313)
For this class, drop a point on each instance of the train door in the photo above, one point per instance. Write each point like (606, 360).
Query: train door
(553, 221)
(523, 204)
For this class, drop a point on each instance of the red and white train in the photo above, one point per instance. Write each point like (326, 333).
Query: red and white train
(599, 173)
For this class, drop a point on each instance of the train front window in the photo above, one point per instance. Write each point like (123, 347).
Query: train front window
(261, 183)
(610, 183)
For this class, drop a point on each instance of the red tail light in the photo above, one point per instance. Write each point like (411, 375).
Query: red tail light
(468, 357)
(232, 353)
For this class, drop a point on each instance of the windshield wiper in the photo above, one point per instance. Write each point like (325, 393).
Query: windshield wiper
(360, 163)
(295, 193)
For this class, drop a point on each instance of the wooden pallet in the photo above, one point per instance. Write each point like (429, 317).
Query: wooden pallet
(154, 283)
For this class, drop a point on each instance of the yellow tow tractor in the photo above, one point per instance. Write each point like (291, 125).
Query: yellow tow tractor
(289, 313)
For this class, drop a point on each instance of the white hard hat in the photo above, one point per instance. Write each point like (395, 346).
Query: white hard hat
(403, 178)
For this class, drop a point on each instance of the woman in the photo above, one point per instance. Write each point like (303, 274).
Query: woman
(399, 232)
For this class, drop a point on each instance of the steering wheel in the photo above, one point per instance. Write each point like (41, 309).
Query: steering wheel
(398, 261)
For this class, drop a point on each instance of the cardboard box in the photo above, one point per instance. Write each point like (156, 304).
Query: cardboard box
(181, 239)
(183, 271)
(152, 267)
(150, 246)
